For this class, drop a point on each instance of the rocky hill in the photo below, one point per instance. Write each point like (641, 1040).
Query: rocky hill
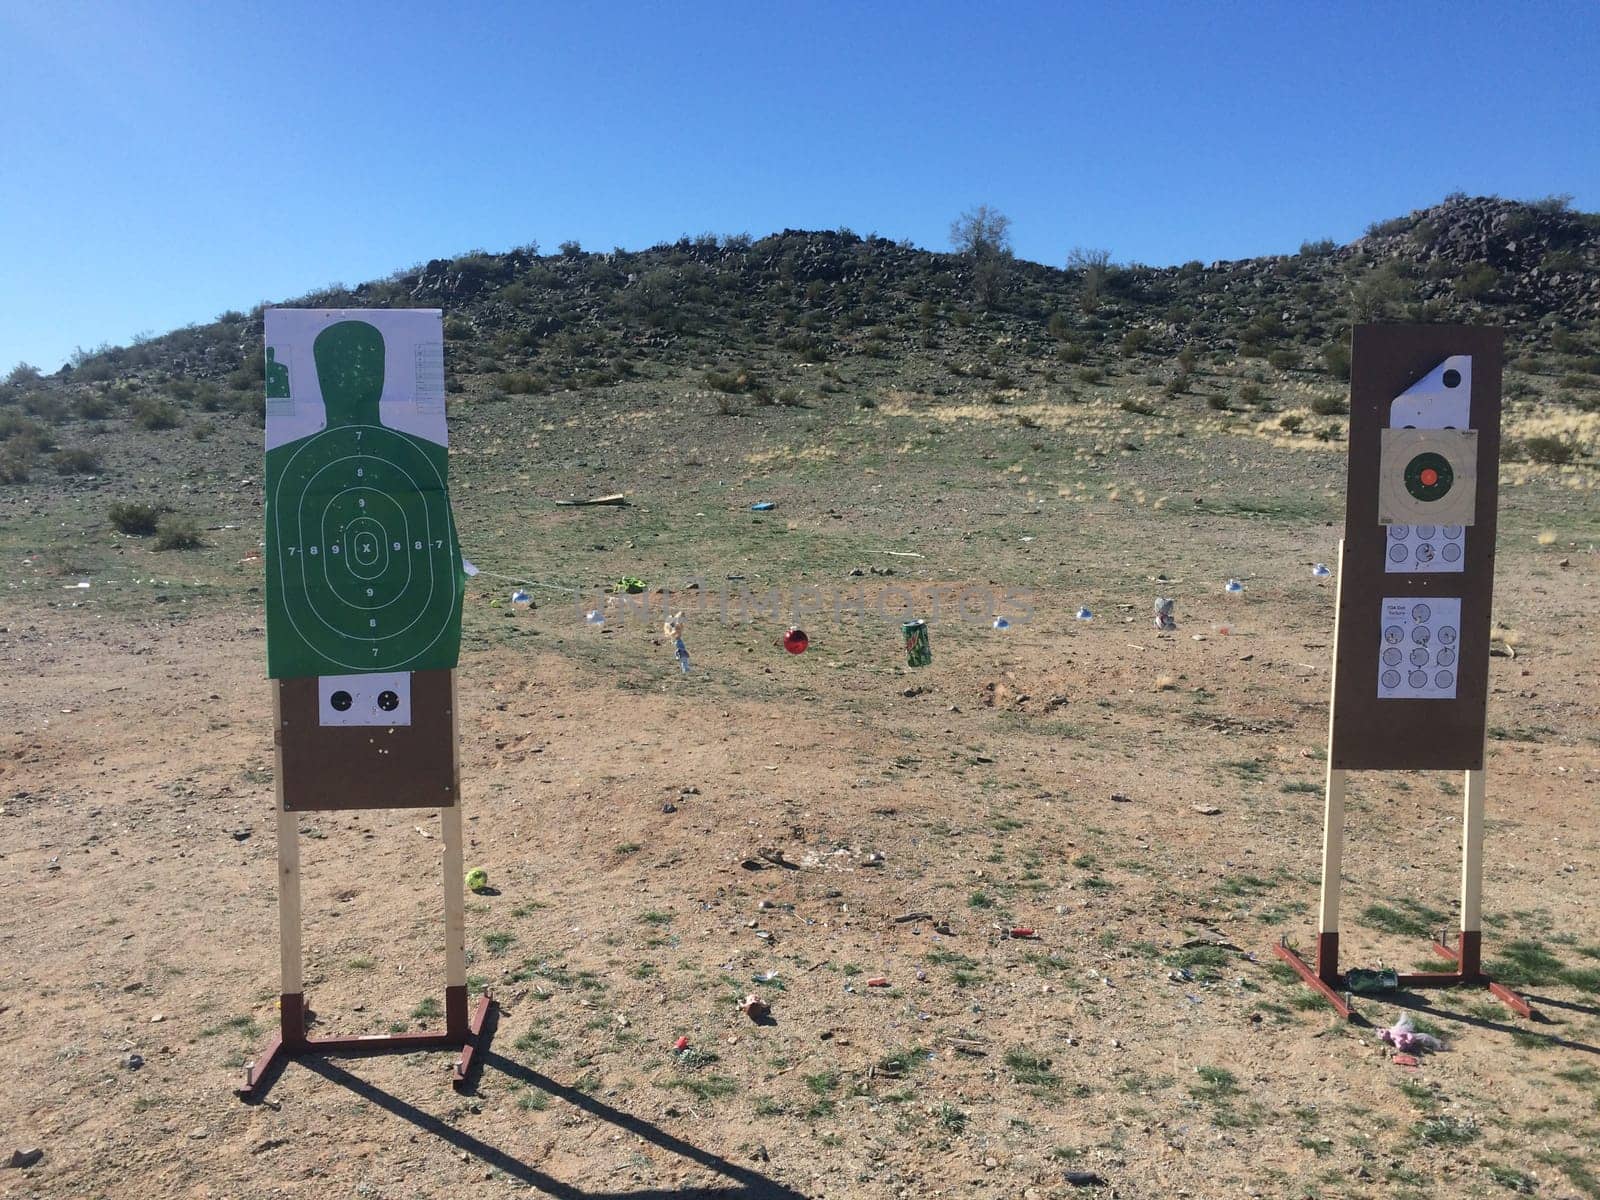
(738, 311)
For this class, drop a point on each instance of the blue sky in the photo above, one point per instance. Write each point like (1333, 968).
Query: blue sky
(161, 163)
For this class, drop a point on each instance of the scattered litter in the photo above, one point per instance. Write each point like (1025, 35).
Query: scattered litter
(763, 506)
(1233, 585)
(1023, 933)
(477, 879)
(73, 587)
(919, 648)
(898, 553)
(1403, 1036)
(874, 858)
(878, 981)
(631, 585)
(1364, 982)
(1406, 1060)
(1165, 621)
(521, 597)
(25, 1158)
(1084, 614)
(594, 617)
(673, 628)
(134, 1061)
(796, 641)
(468, 567)
(913, 916)
(1087, 1178)
(754, 1007)
(1001, 623)
(681, 1045)
(422, 831)
(767, 856)
(617, 500)
(1206, 810)
(1320, 570)
(1119, 798)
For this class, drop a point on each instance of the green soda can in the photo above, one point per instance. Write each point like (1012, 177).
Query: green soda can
(1367, 983)
(919, 650)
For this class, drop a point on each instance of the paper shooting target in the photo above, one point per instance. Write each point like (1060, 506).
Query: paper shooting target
(1428, 477)
(363, 565)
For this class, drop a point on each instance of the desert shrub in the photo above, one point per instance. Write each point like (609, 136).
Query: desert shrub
(1140, 407)
(94, 406)
(76, 461)
(1389, 228)
(1135, 341)
(1291, 422)
(1543, 448)
(1060, 327)
(1284, 360)
(1252, 393)
(1476, 281)
(23, 373)
(1177, 385)
(177, 533)
(458, 329)
(1071, 352)
(47, 406)
(1336, 358)
(1381, 293)
(153, 413)
(570, 248)
(1090, 375)
(1318, 248)
(1327, 406)
(16, 462)
(137, 520)
(1217, 401)
(20, 431)
(740, 381)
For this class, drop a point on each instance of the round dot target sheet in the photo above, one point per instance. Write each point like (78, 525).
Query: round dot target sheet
(1419, 648)
(363, 565)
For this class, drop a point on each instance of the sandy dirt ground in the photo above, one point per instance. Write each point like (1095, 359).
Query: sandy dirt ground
(1149, 806)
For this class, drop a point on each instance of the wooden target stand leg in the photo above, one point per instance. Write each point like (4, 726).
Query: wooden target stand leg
(1326, 978)
(460, 1029)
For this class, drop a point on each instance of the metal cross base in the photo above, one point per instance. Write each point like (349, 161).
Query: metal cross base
(1326, 978)
(291, 1041)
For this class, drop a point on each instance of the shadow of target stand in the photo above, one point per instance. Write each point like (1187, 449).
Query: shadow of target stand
(1416, 582)
(364, 588)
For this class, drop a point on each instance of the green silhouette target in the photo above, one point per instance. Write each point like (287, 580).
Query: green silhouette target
(363, 566)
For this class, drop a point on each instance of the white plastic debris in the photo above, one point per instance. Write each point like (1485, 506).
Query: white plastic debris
(1321, 571)
(1234, 586)
(1084, 614)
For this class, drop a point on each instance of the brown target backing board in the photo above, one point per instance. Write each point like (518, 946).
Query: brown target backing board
(324, 767)
(1411, 658)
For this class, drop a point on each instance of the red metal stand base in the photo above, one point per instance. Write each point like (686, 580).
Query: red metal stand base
(1326, 978)
(291, 1041)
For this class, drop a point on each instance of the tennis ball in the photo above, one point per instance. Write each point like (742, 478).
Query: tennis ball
(477, 879)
